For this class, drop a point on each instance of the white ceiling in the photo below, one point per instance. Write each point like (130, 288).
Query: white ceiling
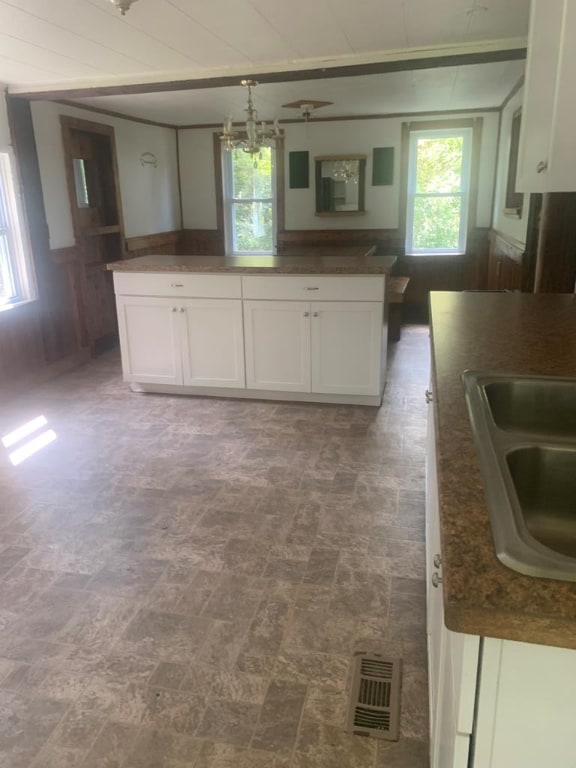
(59, 44)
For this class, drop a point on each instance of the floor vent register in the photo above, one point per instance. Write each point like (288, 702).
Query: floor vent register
(374, 706)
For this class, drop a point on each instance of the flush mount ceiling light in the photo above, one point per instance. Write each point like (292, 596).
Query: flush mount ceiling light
(307, 106)
(255, 136)
(123, 5)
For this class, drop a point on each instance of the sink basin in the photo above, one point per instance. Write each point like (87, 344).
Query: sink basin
(545, 482)
(543, 406)
(524, 429)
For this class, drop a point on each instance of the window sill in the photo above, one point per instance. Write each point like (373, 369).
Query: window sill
(432, 254)
(17, 305)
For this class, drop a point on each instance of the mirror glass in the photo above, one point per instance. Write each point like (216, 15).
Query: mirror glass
(340, 185)
(80, 183)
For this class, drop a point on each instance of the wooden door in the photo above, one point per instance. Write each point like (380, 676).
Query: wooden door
(94, 193)
(277, 339)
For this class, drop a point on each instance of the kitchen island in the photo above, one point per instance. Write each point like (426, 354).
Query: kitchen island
(307, 326)
(502, 645)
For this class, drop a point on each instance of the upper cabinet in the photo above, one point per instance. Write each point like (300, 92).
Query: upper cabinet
(547, 161)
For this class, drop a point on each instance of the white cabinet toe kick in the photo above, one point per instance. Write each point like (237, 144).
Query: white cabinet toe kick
(301, 338)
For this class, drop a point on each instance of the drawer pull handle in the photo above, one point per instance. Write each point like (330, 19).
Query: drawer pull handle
(428, 396)
(542, 166)
(312, 288)
(436, 580)
(177, 285)
(437, 561)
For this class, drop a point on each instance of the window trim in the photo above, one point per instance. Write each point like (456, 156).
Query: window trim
(454, 124)
(19, 259)
(219, 246)
(463, 194)
(230, 202)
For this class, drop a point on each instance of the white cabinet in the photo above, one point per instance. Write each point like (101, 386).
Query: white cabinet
(494, 703)
(546, 160)
(324, 347)
(149, 340)
(212, 343)
(320, 338)
(194, 342)
(277, 335)
(346, 347)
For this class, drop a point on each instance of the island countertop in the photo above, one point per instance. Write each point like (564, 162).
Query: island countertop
(315, 261)
(507, 333)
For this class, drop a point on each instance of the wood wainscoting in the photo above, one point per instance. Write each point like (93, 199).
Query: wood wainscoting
(505, 263)
(166, 243)
(388, 242)
(209, 242)
(442, 273)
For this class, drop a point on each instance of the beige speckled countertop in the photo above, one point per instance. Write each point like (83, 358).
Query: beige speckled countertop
(344, 261)
(510, 333)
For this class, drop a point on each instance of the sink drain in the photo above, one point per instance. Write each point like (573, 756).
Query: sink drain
(374, 705)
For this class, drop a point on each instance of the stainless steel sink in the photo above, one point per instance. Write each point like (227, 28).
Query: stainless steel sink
(543, 406)
(525, 433)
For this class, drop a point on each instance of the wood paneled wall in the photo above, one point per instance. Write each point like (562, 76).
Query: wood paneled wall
(506, 263)
(556, 254)
(166, 243)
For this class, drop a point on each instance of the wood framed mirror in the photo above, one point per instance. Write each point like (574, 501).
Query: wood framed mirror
(340, 185)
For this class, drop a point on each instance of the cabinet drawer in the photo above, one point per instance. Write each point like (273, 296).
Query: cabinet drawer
(177, 284)
(314, 288)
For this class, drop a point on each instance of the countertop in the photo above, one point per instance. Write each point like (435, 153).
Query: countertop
(509, 333)
(318, 261)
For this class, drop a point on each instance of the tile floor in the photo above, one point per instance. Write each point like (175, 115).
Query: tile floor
(183, 581)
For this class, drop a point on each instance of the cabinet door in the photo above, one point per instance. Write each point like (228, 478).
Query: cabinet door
(212, 342)
(149, 340)
(347, 347)
(277, 345)
(542, 69)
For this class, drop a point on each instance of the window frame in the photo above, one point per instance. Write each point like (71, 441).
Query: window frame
(229, 201)
(19, 266)
(464, 194)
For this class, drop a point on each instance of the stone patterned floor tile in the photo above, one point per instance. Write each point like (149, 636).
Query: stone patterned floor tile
(187, 590)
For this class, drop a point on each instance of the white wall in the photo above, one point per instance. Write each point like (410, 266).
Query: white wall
(508, 225)
(338, 137)
(150, 199)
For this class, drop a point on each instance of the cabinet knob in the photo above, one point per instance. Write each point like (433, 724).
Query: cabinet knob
(182, 309)
(437, 561)
(542, 166)
(174, 309)
(436, 580)
(314, 314)
(306, 314)
(428, 396)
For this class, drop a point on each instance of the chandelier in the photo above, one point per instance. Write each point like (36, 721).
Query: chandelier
(123, 5)
(255, 136)
(345, 170)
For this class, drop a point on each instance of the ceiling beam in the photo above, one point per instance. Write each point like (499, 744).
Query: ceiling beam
(282, 76)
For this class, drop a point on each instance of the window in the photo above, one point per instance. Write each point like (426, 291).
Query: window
(439, 166)
(15, 282)
(249, 201)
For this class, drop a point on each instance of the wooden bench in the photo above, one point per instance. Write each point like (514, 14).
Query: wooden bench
(395, 294)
